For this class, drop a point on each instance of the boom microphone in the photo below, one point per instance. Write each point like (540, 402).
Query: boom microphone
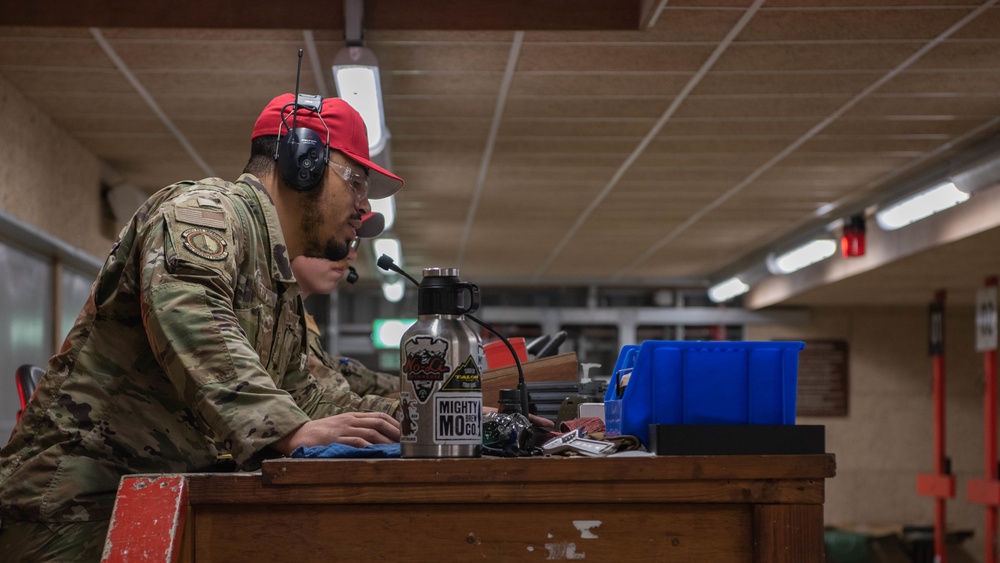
(387, 263)
(352, 275)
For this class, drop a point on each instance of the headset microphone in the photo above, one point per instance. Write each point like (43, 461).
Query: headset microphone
(352, 275)
(387, 263)
(301, 153)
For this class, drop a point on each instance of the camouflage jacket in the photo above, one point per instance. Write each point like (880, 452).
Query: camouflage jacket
(193, 336)
(334, 371)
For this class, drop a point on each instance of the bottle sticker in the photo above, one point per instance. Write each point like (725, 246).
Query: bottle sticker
(458, 419)
(426, 364)
(411, 419)
(466, 377)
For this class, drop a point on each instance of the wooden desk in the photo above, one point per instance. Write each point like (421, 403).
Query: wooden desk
(763, 509)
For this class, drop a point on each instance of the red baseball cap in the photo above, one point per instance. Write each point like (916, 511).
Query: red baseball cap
(372, 225)
(346, 132)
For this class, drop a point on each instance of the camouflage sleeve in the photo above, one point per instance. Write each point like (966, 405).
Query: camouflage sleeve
(193, 329)
(336, 386)
(363, 380)
(319, 363)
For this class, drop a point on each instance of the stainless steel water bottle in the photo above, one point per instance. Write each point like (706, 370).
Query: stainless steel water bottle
(441, 391)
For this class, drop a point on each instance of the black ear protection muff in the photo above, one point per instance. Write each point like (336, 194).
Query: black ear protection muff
(302, 158)
(302, 155)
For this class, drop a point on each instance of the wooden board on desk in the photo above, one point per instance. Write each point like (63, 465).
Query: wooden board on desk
(452, 532)
(683, 509)
(564, 367)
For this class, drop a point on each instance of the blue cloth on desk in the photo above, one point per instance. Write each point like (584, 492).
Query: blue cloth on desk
(340, 450)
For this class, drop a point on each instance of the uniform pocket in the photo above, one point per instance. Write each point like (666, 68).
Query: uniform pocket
(287, 348)
(259, 330)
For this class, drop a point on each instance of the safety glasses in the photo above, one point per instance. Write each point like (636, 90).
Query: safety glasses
(358, 182)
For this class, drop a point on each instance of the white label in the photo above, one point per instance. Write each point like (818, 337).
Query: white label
(458, 418)
(986, 319)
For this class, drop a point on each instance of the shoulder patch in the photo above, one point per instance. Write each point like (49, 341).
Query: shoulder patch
(214, 218)
(205, 243)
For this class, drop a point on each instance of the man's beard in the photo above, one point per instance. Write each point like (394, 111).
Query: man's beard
(332, 249)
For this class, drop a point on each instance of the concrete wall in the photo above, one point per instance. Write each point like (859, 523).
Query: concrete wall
(50, 185)
(887, 437)
(47, 179)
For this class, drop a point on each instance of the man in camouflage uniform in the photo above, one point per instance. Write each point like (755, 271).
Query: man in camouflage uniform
(347, 375)
(192, 343)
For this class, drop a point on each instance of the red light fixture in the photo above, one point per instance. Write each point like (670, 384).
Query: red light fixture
(852, 238)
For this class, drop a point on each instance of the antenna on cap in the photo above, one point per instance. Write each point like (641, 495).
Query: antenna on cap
(295, 102)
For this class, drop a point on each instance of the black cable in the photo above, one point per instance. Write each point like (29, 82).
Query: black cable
(517, 361)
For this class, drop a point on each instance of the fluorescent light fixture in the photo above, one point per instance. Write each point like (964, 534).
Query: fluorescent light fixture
(920, 206)
(824, 209)
(726, 290)
(387, 207)
(390, 247)
(355, 72)
(802, 256)
(387, 333)
(393, 291)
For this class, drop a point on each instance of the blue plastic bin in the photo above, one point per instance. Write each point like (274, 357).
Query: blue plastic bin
(695, 382)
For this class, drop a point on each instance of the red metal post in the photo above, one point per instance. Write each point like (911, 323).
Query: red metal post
(940, 458)
(990, 449)
(987, 490)
(941, 484)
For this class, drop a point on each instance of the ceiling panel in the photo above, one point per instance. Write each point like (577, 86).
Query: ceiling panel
(947, 80)
(590, 142)
(872, 24)
(761, 107)
(784, 83)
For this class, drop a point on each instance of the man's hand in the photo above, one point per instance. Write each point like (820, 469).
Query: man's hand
(357, 429)
(541, 422)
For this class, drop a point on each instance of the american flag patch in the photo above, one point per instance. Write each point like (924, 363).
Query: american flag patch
(202, 217)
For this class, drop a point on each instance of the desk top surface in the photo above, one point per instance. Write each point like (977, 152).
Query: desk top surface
(287, 471)
(788, 479)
